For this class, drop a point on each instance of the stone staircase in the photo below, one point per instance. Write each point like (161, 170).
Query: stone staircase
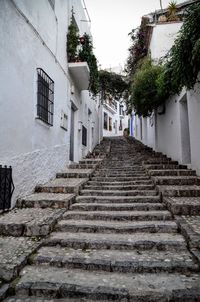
(121, 238)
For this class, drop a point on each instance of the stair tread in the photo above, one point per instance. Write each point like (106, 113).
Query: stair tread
(58, 237)
(29, 221)
(114, 258)
(115, 285)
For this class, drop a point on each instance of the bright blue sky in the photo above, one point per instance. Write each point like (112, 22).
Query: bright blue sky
(112, 20)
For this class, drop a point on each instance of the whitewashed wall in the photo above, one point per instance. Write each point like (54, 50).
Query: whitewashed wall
(163, 38)
(194, 126)
(33, 35)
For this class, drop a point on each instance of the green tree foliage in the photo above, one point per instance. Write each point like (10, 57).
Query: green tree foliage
(112, 84)
(145, 96)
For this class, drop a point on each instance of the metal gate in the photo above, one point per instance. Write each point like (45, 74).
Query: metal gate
(6, 188)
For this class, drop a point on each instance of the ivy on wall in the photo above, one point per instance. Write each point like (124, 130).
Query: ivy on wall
(151, 85)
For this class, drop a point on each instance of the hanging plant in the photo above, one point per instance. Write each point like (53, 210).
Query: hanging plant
(72, 42)
(85, 54)
(80, 49)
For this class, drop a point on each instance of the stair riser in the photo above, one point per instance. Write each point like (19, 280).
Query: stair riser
(43, 204)
(130, 200)
(172, 173)
(112, 230)
(123, 188)
(176, 182)
(141, 245)
(56, 190)
(164, 167)
(121, 266)
(117, 179)
(135, 207)
(119, 193)
(129, 183)
(118, 218)
(73, 175)
(182, 193)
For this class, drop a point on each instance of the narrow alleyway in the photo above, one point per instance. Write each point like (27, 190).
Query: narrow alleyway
(118, 241)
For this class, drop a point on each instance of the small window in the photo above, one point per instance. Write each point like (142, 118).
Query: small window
(105, 121)
(84, 136)
(45, 97)
(110, 124)
(120, 125)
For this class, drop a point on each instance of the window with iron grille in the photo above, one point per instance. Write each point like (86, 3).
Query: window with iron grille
(45, 97)
(84, 136)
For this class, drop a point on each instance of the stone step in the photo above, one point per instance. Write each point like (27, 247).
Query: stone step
(14, 253)
(154, 161)
(118, 206)
(121, 187)
(122, 174)
(118, 193)
(118, 199)
(179, 191)
(117, 179)
(83, 166)
(120, 183)
(168, 166)
(118, 215)
(62, 185)
(29, 221)
(75, 173)
(176, 180)
(142, 241)
(45, 299)
(172, 172)
(190, 228)
(183, 205)
(120, 227)
(116, 261)
(92, 161)
(46, 200)
(55, 282)
(120, 169)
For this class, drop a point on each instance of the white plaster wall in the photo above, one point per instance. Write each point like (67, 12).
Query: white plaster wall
(193, 97)
(163, 38)
(35, 150)
(168, 130)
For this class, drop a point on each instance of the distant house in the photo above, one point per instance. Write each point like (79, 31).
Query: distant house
(175, 130)
(47, 117)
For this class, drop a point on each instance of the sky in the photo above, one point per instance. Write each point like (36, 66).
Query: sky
(111, 21)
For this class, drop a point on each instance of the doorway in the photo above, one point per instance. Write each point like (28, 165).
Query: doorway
(185, 133)
(71, 153)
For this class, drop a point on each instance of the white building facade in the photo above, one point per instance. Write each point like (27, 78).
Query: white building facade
(47, 117)
(173, 130)
(115, 119)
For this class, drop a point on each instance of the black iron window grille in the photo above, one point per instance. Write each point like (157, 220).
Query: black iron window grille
(6, 188)
(45, 97)
(84, 136)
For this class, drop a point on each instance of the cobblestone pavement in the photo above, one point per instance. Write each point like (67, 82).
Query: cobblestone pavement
(117, 240)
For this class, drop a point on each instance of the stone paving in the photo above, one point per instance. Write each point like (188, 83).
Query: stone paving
(116, 241)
